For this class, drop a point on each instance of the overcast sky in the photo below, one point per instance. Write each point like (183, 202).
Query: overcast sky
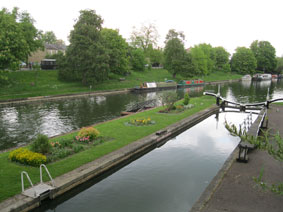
(227, 23)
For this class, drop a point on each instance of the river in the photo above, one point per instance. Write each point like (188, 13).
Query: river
(21, 123)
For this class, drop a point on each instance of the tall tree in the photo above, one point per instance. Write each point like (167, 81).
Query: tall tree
(18, 38)
(221, 59)
(174, 53)
(117, 49)
(243, 61)
(137, 59)
(86, 57)
(199, 61)
(279, 67)
(49, 37)
(209, 55)
(265, 55)
(144, 37)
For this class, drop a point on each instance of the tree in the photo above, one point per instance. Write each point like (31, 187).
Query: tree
(49, 37)
(155, 56)
(265, 56)
(86, 57)
(175, 53)
(137, 59)
(221, 59)
(199, 61)
(209, 55)
(18, 38)
(117, 49)
(146, 36)
(279, 67)
(243, 61)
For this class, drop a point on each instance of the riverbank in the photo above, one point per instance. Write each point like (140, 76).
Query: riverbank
(122, 136)
(234, 189)
(42, 84)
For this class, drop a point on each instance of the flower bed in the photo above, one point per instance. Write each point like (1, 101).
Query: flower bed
(27, 157)
(140, 122)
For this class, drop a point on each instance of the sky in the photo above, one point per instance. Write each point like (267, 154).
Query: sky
(226, 23)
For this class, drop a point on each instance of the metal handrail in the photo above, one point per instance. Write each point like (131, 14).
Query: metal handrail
(22, 179)
(42, 165)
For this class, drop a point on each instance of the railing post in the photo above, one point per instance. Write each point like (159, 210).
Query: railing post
(22, 179)
(40, 170)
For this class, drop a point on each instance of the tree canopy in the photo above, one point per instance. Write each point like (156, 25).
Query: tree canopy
(117, 49)
(175, 53)
(86, 57)
(49, 37)
(145, 37)
(265, 56)
(243, 61)
(18, 38)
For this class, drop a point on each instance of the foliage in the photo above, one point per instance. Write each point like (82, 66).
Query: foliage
(279, 67)
(243, 61)
(117, 49)
(27, 157)
(263, 143)
(49, 37)
(137, 59)
(209, 56)
(265, 56)
(145, 37)
(86, 57)
(18, 38)
(155, 56)
(221, 59)
(141, 121)
(175, 58)
(41, 144)
(88, 134)
(199, 61)
(168, 100)
(186, 99)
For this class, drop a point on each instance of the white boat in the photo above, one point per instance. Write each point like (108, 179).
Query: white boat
(247, 78)
(265, 77)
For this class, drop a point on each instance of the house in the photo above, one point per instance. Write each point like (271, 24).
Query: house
(49, 49)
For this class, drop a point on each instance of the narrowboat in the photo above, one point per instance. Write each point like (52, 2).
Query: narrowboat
(154, 86)
(188, 83)
(260, 77)
(247, 78)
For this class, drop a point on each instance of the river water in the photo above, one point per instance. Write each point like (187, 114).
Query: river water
(21, 123)
(169, 178)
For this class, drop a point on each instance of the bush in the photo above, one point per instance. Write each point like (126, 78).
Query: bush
(41, 144)
(168, 99)
(87, 134)
(27, 157)
(186, 99)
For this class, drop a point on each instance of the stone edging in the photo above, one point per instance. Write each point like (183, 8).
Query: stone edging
(95, 168)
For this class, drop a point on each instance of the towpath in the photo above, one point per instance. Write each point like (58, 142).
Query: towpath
(237, 190)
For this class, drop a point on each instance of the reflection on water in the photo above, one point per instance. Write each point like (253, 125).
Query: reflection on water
(21, 123)
(169, 178)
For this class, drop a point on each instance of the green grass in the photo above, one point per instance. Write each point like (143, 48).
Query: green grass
(10, 183)
(45, 83)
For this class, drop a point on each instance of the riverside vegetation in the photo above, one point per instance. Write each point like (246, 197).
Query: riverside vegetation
(44, 83)
(119, 137)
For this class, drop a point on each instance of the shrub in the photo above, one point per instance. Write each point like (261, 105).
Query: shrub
(168, 100)
(27, 157)
(41, 144)
(87, 134)
(186, 99)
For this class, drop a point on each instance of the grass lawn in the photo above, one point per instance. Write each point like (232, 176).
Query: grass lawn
(45, 83)
(10, 183)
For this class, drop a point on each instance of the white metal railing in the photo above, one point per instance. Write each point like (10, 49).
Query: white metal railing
(42, 165)
(22, 179)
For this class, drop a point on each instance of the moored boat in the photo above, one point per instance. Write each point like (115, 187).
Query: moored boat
(247, 78)
(188, 83)
(153, 86)
(259, 77)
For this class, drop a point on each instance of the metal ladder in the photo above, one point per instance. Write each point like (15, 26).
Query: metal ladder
(41, 190)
